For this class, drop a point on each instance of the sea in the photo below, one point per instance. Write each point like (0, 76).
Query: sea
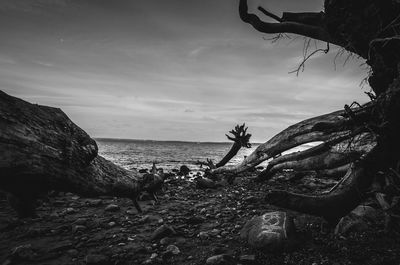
(169, 155)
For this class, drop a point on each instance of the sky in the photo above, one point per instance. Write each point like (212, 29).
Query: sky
(168, 69)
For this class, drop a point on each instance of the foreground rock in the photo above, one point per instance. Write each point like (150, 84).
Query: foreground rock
(274, 231)
(357, 221)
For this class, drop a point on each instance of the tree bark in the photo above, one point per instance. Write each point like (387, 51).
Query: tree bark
(41, 149)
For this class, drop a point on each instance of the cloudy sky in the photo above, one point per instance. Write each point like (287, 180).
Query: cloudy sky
(167, 69)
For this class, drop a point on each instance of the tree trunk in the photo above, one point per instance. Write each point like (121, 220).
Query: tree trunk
(41, 149)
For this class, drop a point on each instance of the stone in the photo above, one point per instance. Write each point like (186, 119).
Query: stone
(205, 183)
(73, 252)
(112, 224)
(222, 259)
(94, 202)
(251, 199)
(162, 231)
(214, 232)
(349, 224)
(366, 212)
(203, 235)
(247, 259)
(78, 228)
(131, 212)
(24, 252)
(96, 259)
(149, 219)
(173, 249)
(80, 221)
(70, 210)
(112, 208)
(273, 231)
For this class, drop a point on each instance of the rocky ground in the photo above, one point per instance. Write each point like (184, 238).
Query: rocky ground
(187, 226)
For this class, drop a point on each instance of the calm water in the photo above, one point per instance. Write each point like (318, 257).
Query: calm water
(167, 154)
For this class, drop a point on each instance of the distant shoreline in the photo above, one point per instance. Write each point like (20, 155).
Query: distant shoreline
(163, 141)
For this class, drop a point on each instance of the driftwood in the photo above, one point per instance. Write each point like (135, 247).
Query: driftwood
(41, 149)
(240, 139)
(373, 128)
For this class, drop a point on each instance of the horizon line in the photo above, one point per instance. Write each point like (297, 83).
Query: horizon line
(150, 140)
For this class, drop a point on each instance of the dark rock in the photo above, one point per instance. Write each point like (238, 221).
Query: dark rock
(366, 212)
(80, 221)
(222, 259)
(206, 183)
(96, 259)
(274, 231)
(173, 249)
(143, 170)
(247, 259)
(251, 199)
(193, 220)
(357, 220)
(162, 231)
(131, 212)
(73, 252)
(112, 208)
(350, 223)
(78, 228)
(184, 170)
(94, 202)
(24, 252)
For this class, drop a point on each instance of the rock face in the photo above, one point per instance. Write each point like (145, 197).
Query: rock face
(272, 231)
(356, 221)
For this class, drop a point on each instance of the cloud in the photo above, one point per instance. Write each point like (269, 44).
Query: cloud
(182, 70)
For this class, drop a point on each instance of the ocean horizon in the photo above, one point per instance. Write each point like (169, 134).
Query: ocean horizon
(169, 154)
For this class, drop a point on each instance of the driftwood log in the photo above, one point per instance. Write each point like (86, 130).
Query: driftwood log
(41, 149)
(371, 132)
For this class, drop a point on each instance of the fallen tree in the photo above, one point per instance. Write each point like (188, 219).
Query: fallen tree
(41, 149)
(369, 29)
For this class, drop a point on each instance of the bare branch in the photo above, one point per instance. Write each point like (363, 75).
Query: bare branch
(314, 32)
(269, 14)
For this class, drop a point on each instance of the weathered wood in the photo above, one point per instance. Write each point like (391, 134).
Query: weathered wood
(300, 133)
(41, 149)
(327, 155)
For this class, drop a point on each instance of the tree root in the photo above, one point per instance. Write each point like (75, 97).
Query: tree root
(335, 125)
(331, 206)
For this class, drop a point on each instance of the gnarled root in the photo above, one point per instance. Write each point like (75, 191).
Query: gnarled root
(332, 154)
(322, 128)
(344, 198)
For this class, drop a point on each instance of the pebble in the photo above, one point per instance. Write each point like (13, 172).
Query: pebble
(80, 221)
(249, 259)
(221, 260)
(162, 231)
(112, 224)
(96, 259)
(173, 249)
(112, 208)
(70, 210)
(24, 252)
(77, 228)
(131, 212)
(95, 202)
(215, 232)
(73, 252)
(203, 235)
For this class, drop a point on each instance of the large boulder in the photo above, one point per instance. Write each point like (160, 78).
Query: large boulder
(357, 221)
(274, 231)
